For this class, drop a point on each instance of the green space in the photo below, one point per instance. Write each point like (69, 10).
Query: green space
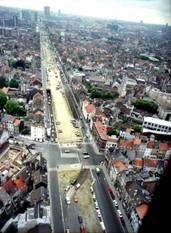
(146, 105)
(96, 93)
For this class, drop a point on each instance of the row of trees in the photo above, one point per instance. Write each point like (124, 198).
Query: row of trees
(13, 83)
(149, 106)
(11, 106)
(95, 93)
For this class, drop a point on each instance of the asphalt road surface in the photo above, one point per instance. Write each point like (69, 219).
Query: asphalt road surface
(109, 215)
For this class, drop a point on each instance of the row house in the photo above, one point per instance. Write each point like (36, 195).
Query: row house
(100, 135)
(88, 110)
(4, 136)
(12, 124)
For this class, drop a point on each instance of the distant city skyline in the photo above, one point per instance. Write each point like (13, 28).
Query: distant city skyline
(149, 11)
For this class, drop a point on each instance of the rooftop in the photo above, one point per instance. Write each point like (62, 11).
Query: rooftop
(157, 121)
(142, 210)
(90, 108)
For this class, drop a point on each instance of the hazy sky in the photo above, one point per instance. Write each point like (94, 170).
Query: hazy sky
(150, 11)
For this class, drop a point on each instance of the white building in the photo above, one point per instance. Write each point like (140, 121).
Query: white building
(154, 125)
(40, 215)
(4, 136)
(38, 133)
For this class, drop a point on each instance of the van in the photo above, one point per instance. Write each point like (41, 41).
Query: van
(97, 170)
(77, 186)
(67, 230)
(103, 226)
(68, 201)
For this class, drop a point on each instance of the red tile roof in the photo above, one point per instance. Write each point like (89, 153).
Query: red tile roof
(120, 165)
(150, 163)
(17, 122)
(126, 144)
(137, 163)
(101, 129)
(9, 186)
(90, 108)
(20, 183)
(163, 146)
(142, 210)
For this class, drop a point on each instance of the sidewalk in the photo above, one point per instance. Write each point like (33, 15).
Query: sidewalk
(94, 145)
(126, 220)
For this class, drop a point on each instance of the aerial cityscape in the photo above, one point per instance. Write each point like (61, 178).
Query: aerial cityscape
(85, 120)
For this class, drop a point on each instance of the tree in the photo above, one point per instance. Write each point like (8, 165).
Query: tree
(18, 63)
(3, 82)
(113, 132)
(14, 83)
(137, 128)
(3, 100)
(14, 108)
(146, 105)
(108, 95)
(95, 93)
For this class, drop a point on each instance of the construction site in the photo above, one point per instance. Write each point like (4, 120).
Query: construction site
(76, 187)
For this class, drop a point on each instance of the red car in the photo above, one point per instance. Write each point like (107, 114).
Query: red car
(111, 193)
(82, 228)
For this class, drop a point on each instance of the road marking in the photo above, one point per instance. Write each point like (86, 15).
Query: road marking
(53, 169)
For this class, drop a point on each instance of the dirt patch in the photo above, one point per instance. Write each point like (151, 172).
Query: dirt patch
(66, 177)
(86, 205)
(82, 197)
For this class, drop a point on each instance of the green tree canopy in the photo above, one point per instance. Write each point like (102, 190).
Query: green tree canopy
(18, 63)
(113, 132)
(14, 83)
(146, 105)
(3, 100)
(137, 128)
(14, 108)
(3, 82)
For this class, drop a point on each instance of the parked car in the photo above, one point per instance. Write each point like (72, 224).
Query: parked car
(91, 189)
(85, 153)
(86, 156)
(115, 203)
(80, 219)
(75, 199)
(73, 182)
(77, 186)
(120, 214)
(68, 201)
(67, 188)
(67, 151)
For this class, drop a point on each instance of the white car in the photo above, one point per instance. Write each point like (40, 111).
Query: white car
(91, 189)
(115, 203)
(67, 188)
(67, 151)
(120, 214)
(68, 202)
(86, 156)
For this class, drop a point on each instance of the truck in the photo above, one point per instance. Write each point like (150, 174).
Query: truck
(97, 170)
